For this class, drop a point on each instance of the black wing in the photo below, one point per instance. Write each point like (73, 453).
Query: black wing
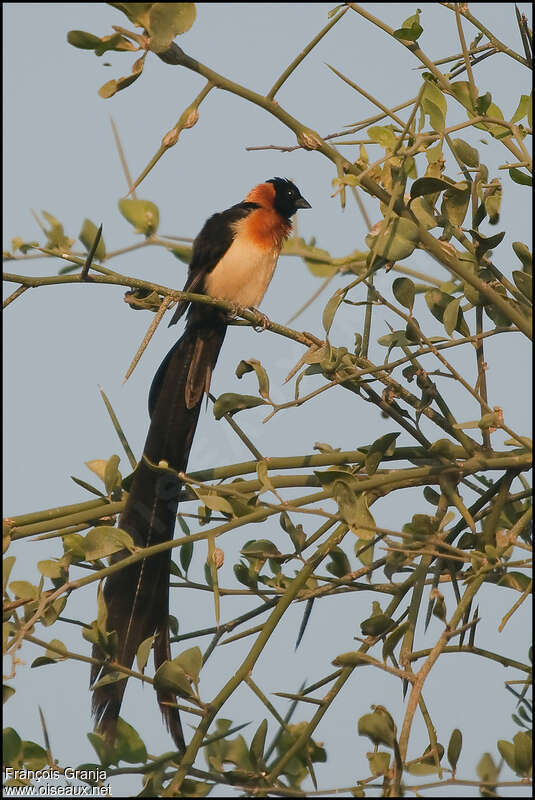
(209, 248)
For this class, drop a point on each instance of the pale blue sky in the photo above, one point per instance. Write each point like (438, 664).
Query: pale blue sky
(63, 342)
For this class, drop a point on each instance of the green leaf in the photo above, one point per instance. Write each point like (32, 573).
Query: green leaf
(213, 501)
(101, 45)
(83, 40)
(191, 662)
(520, 177)
(404, 291)
(492, 199)
(383, 135)
(7, 692)
(167, 20)
(392, 640)
(182, 252)
(136, 12)
(451, 315)
(171, 677)
(53, 610)
(51, 569)
(104, 540)
(352, 659)
(409, 34)
(258, 743)
(98, 466)
(364, 551)
(423, 186)
(9, 563)
(112, 476)
(73, 546)
(395, 240)
(339, 563)
(380, 448)
(186, 554)
(524, 282)
(295, 532)
(261, 374)
(461, 90)
(246, 574)
(479, 215)
(523, 753)
(455, 203)
(143, 651)
(230, 403)
(103, 750)
(434, 155)
(411, 28)
(394, 339)
(434, 105)
(483, 103)
(487, 770)
(523, 107)
(507, 752)
(376, 625)
(468, 154)
(497, 131)
(437, 302)
(51, 656)
(454, 748)
(11, 747)
(56, 239)
(524, 254)
(331, 308)
(354, 510)
(87, 237)
(379, 727)
(129, 746)
(431, 496)
(259, 548)
(423, 210)
(421, 526)
(118, 84)
(486, 243)
(318, 261)
(142, 214)
(515, 580)
(379, 762)
(24, 590)
(34, 756)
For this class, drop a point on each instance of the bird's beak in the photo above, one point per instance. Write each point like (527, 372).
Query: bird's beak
(302, 203)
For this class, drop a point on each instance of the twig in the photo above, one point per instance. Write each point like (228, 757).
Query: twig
(14, 295)
(85, 269)
(122, 157)
(166, 302)
(295, 63)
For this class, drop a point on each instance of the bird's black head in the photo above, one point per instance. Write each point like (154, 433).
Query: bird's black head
(287, 197)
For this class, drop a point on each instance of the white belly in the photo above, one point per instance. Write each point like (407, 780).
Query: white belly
(243, 274)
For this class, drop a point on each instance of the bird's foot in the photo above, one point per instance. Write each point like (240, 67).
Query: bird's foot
(234, 310)
(262, 320)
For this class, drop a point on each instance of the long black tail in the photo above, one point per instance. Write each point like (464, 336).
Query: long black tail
(137, 597)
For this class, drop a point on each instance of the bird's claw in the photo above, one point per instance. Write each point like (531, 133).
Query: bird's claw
(263, 321)
(234, 310)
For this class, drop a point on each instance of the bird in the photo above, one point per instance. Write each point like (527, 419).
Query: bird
(233, 258)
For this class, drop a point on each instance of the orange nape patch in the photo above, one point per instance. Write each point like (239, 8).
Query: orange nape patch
(263, 194)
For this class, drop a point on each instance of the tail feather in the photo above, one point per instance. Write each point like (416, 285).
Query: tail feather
(137, 597)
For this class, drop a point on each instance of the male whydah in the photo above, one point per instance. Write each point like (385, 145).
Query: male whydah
(233, 258)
